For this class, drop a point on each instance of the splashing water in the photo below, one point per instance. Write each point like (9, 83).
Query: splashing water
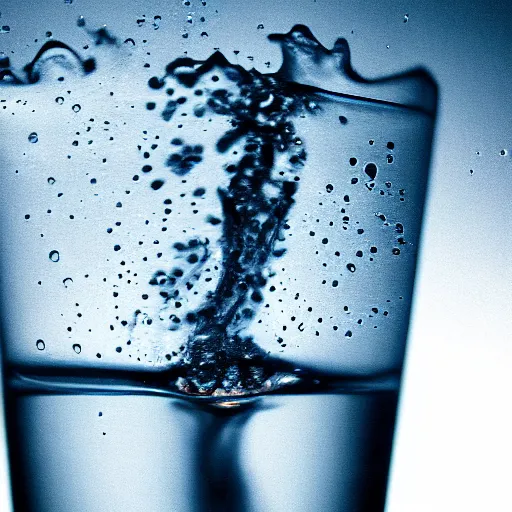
(219, 357)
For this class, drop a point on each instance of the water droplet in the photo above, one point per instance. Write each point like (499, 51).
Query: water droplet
(76, 108)
(54, 256)
(67, 281)
(33, 138)
(40, 345)
(77, 348)
(155, 185)
(371, 170)
(51, 180)
(329, 188)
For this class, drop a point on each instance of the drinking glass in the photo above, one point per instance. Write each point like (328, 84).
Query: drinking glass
(210, 227)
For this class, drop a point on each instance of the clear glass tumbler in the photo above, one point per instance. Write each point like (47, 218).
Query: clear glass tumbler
(210, 228)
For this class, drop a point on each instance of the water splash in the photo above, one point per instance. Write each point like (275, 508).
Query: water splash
(219, 358)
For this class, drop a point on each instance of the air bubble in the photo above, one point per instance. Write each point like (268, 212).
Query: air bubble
(54, 256)
(406, 18)
(40, 345)
(51, 180)
(80, 21)
(67, 282)
(33, 138)
(343, 119)
(59, 100)
(351, 267)
(77, 348)
(76, 108)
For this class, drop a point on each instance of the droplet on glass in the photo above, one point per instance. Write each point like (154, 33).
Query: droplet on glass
(371, 170)
(33, 138)
(40, 345)
(54, 256)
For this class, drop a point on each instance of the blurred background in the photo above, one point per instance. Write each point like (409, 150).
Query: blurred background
(453, 445)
